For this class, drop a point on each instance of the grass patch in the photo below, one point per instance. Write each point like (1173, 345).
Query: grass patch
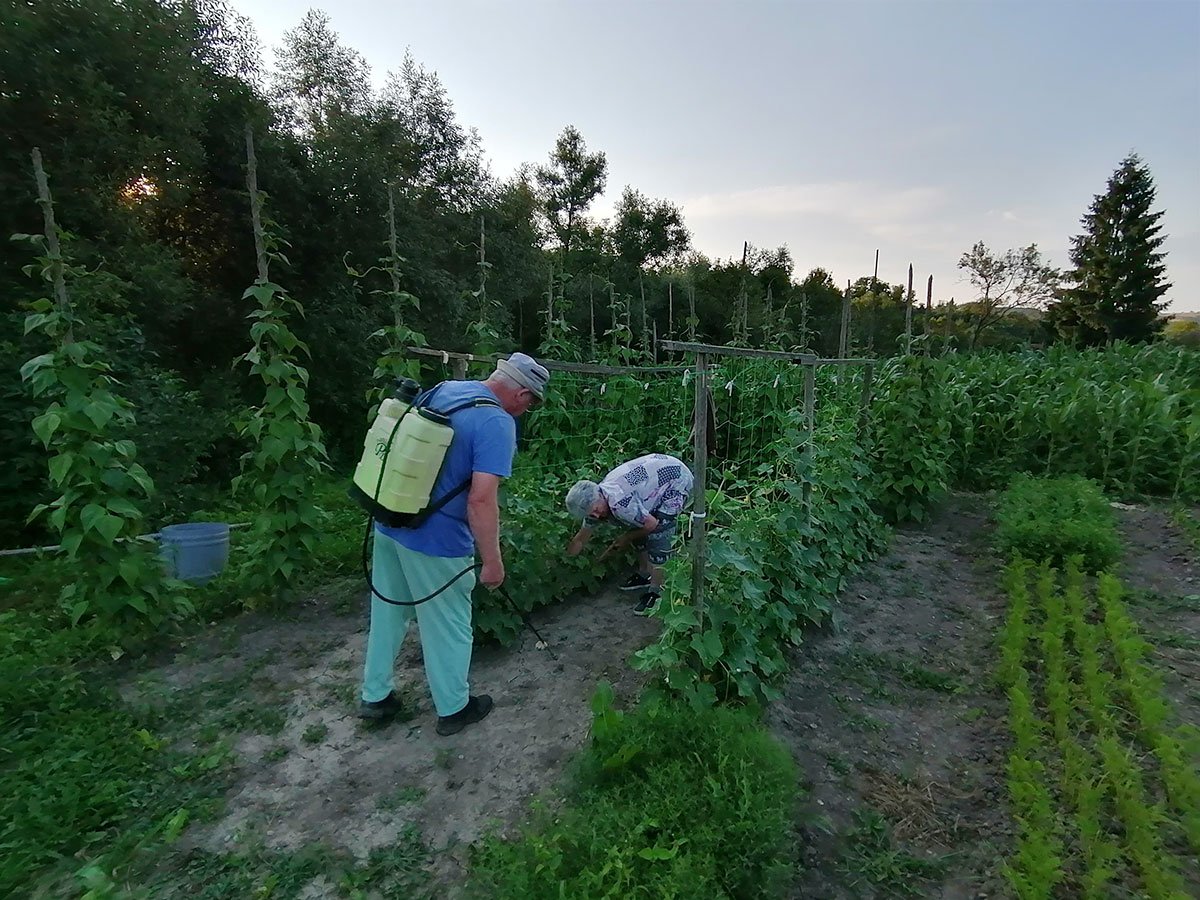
(666, 802)
(870, 856)
(1057, 518)
(315, 733)
(83, 774)
(856, 663)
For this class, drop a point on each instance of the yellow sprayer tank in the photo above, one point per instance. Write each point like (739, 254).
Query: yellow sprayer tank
(418, 448)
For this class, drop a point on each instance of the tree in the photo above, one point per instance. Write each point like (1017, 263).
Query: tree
(648, 231)
(569, 184)
(1117, 278)
(1184, 332)
(320, 81)
(1017, 279)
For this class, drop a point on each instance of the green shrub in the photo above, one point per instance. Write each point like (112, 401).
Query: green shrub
(1055, 518)
(666, 802)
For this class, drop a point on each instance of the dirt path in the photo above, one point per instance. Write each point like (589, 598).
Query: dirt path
(891, 715)
(308, 770)
(894, 721)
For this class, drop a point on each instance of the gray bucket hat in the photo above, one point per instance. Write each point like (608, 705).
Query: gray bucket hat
(525, 371)
(581, 498)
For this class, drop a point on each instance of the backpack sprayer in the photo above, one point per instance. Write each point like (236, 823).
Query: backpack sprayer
(403, 455)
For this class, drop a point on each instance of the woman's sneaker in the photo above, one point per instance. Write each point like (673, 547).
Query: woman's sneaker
(646, 604)
(636, 582)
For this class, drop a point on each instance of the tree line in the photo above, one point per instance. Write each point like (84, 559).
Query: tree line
(139, 109)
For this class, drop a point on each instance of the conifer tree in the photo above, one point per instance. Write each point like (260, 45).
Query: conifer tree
(1118, 275)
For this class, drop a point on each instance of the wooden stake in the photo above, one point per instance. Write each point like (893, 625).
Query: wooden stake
(699, 465)
(864, 403)
(670, 309)
(844, 338)
(908, 299)
(260, 252)
(810, 377)
(53, 248)
(592, 309)
(929, 294)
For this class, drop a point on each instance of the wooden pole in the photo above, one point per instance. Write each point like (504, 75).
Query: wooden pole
(645, 330)
(670, 309)
(864, 403)
(692, 312)
(592, 309)
(458, 368)
(260, 253)
(804, 342)
(483, 304)
(929, 295)
(699, 468)
(873, 309)
(810, 378)
(844, 338)
(908, 301)
(53, 248)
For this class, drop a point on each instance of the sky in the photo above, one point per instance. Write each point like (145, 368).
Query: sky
(911, 127)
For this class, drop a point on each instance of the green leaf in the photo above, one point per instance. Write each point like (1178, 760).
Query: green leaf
(110, 526)
(59, 466)
(622, 757)
(45, 425)
(708, 646)
(91, 516)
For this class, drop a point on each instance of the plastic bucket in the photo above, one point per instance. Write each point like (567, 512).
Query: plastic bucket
(196, 551)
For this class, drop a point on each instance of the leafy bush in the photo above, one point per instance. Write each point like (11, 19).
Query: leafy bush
(534, 532)
(910, 423)
(1056, 518)
(77, 764)
(665, 802)
(771, 571)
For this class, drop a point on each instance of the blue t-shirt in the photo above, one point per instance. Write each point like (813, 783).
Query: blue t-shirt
(485, 440)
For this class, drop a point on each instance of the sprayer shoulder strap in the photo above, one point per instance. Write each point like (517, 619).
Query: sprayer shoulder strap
(424, 402)
(466, 482)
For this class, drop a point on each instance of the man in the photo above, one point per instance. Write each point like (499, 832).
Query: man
(412, 563)
(644, 494)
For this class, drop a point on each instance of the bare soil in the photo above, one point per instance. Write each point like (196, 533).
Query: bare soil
(891, 712)
(331, 778)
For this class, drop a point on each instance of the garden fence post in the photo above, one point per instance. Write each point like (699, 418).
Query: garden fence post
(864, 405)
(844, 337)
(458, 369)
(908, 305)
(810, 377)
(700, 464)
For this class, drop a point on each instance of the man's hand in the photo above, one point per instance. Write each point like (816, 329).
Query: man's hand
(491, 576)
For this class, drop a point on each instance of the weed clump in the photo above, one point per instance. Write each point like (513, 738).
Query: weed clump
(666, 802)
(1057, 518)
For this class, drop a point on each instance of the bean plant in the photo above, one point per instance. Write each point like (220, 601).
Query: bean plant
(287, 449)
(99, 511)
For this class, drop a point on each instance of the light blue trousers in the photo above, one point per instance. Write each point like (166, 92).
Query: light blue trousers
(444, 622)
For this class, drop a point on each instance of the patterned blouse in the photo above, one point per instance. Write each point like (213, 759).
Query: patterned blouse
(655, 484)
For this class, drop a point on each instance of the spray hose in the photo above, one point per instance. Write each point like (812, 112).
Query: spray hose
(542, 642)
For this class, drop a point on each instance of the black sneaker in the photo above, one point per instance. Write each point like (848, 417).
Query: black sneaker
(636, 582)
(476, 709)
(380, 709)
(646, 604)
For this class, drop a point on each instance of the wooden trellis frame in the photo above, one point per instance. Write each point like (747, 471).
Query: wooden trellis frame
(704, 352)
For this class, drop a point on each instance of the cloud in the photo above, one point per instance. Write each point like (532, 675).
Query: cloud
(859, 202)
